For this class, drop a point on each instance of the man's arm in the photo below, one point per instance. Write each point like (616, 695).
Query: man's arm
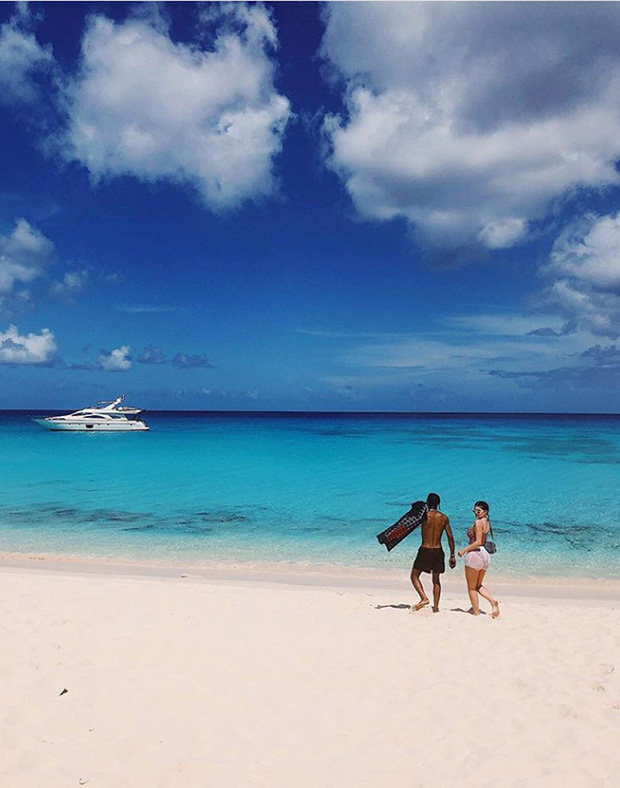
(452, 561)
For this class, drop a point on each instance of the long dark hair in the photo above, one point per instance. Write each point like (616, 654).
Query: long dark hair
(482, 505)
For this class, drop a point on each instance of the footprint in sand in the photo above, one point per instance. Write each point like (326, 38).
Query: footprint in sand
(607, 670)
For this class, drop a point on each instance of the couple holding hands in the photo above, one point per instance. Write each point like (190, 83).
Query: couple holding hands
(430, 557)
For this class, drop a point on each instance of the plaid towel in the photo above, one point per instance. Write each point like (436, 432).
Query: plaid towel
(403, 527)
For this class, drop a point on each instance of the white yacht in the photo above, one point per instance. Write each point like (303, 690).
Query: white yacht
(103, 417)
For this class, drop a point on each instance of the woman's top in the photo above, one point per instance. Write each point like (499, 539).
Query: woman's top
(471, 535)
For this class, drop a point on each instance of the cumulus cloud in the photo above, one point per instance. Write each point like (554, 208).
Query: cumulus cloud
(145, 106)
(24, 256)
(16, 348)
(468, 119)
(185, 361)
(117, 360)
(585, 267)
(152, 355)
(26, 259)
(71, 283)
(589, 251)
(22, 59)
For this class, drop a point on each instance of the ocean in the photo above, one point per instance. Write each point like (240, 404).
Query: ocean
(315, 488)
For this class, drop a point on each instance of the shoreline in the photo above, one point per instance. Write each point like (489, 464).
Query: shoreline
(324, 576)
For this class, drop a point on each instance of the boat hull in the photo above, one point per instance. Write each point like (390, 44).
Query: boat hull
(92, 426)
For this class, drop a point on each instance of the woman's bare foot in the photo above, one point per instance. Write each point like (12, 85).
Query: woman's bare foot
(495, 606)
(419, 606)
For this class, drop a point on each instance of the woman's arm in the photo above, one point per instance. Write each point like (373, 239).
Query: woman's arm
(479, 534)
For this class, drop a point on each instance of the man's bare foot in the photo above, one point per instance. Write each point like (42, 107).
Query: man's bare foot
(495, 606)
(419, 606)
(435, 609)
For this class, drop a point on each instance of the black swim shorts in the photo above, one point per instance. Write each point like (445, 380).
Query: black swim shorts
(430, 559)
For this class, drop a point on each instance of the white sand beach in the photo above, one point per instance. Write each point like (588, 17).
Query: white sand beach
(119, 678)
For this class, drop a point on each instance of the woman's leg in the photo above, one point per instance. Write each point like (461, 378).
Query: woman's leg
(487, 594)
(471, 578)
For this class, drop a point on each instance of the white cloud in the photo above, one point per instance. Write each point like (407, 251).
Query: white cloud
(146, 106)
(28, 348)
(585, 266)
(590, 252)
(117, 360)
(21, 57)
(469, 119)
(71, 283)
(24, 256)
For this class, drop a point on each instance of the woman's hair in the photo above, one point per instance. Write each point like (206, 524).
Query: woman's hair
(482, 505)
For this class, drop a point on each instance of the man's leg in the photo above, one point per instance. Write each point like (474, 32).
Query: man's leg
(415, 579)
(436, 591)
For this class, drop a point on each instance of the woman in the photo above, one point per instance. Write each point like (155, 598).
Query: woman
(477, 559)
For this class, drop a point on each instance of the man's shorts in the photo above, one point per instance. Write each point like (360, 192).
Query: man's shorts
(430, 559)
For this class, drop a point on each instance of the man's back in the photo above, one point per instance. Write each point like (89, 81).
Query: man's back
(433, 527)
(430, 557)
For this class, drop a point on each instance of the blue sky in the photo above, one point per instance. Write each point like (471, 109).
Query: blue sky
(294, 206)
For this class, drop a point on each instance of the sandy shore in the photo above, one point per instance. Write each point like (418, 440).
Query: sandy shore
(227, 681)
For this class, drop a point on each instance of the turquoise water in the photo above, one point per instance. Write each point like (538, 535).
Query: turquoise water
(314, 488)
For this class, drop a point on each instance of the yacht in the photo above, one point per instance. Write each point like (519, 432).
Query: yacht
(102, 417)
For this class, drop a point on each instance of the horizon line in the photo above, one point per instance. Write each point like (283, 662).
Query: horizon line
(341, 412)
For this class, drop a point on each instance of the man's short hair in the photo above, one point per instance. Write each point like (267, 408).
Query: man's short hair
(433, 501)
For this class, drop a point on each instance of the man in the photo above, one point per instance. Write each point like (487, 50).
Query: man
(430, 557)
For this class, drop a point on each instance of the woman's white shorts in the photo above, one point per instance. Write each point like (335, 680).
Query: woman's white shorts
(477, 559)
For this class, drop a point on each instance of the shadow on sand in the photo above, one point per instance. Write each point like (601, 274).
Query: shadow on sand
(404, 606)
(462, 610)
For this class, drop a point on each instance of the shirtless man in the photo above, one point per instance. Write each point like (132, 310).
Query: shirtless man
(430, 557)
